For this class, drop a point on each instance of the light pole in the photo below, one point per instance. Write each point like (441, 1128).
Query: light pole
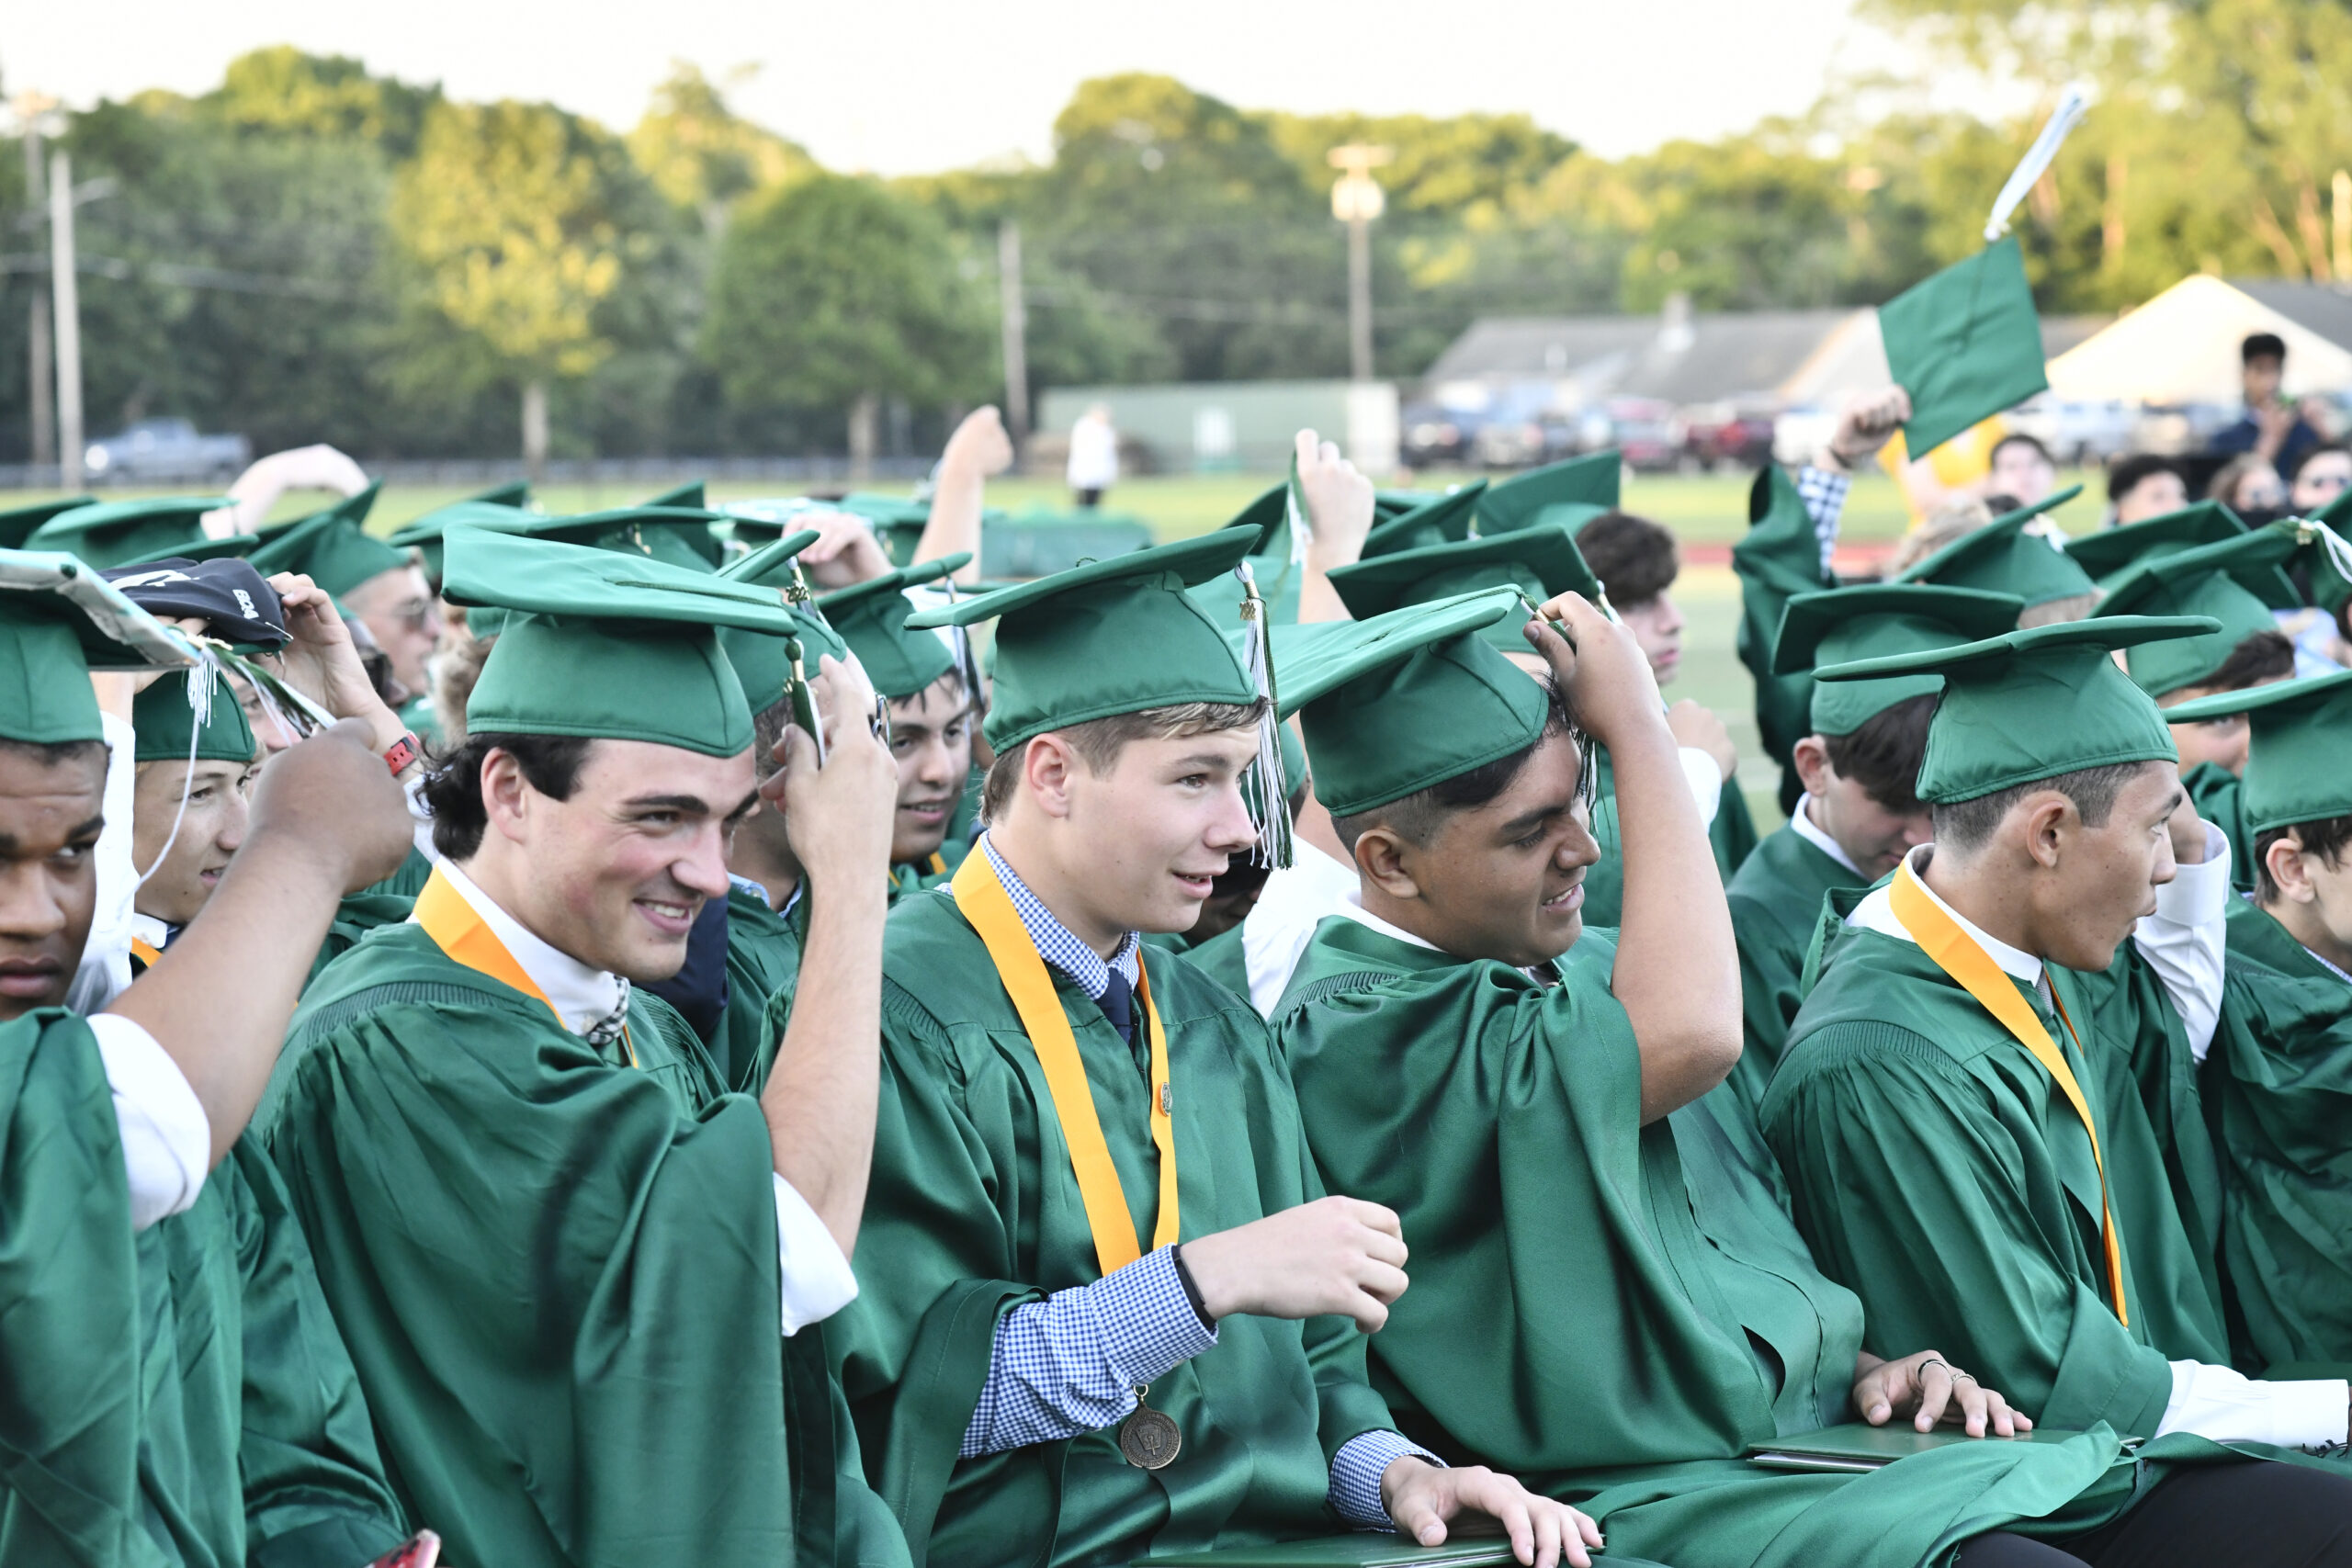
(1356, 201)
(64, 290)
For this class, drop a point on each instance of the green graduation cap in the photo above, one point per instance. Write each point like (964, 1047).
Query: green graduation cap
(1110, 637)
(2033, 704)
(2003, 557)
(1447, 520)
(58, 622)
(330, 549)
(898, 521)
(353, 507)
(18, 522)
(606, 644)
(871, 617)
(2112, 551)
(1267, 518)
(1540, 562)
(681, 495)
(676, 536)
(1574, 492)
(1391, 706)
(166, 727)
(226, 546)
(1875, 620)
(762, 660)
(1389, 502)
(424, 532)
(2299, 762)
(113, 533)
(2236, 584)
(1966, 344)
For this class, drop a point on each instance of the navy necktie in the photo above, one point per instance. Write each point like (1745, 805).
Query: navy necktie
(1119, 1006)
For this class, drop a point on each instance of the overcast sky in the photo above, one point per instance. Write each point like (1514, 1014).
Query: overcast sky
(900, 87)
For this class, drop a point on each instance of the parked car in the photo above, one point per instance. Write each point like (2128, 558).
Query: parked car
(1648, 432)
(1727, 435)
(2078, 434)
(164, 449)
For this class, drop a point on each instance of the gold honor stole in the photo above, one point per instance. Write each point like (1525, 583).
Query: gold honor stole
(982, 898)
(1958, 954)
(464, 937)
(145, 951)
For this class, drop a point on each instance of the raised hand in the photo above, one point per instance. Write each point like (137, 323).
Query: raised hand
(837, 816)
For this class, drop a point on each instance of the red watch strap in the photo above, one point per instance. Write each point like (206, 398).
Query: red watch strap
(401, 752)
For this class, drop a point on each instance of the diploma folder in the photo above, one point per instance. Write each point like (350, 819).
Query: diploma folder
(1858, 1446)
(1361, 1548)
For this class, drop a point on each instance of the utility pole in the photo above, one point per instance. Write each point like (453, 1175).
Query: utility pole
(1015, 313)
(69, 321)
(1356, 201)
(41, 392)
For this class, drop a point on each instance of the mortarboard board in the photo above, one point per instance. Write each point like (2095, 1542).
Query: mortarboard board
(113, 532)
(1540, 562)
(1966, 344)
(2004, 556)
(2033, 704)
(2236, 584)
(1392, 705)
(871, 617)
(676, 536)
(423, 533)
(18, 522)
(1111, 637)
(1875, 620)
(2112, 551)
(2299, 762)
(1574, 492)
(606, 644)
(1447, 520)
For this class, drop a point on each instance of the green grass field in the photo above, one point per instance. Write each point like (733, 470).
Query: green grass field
(1702, 511)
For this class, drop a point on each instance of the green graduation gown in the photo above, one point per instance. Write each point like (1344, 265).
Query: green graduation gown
(256, 1447)
(1775, 901)
(2279, 1078)
(1609, 1311)
(1732, 835)
(1778, 559)
(974, 1210)
(557, 1277)
(762, 968)
(1938, 1171)
(72, 1331)
(2220, 797)
(910, 878)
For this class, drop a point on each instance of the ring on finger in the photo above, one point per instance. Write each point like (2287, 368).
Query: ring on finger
(1939, 1361)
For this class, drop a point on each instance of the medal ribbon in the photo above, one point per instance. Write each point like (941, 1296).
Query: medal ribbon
(1958, 955)
(983, 901)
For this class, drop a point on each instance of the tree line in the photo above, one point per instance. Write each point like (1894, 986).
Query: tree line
(314, 252)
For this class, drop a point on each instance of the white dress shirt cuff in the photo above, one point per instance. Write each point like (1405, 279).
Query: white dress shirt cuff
(2200, 893)
(104, 972)
(815, 1276)
(166, 1138)
(1707, 782)
(2225, 1405)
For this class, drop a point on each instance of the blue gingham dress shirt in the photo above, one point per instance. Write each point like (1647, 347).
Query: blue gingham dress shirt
(1823, 494)
(1071, 1363)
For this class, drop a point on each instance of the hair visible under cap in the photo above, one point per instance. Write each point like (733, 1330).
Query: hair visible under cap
(1634, 558)
(2259, 656)
(2328, 838)
(54, 753)
(1098, 742)
(550, 764)
(2051, 611)
(1967, 826)
(1947, 524)
(1417, 817)
(1883, 754)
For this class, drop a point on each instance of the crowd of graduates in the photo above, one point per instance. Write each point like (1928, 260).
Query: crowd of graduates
(712, 1036)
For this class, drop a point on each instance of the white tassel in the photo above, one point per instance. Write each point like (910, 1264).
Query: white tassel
(2071, 105)
(1264, 789)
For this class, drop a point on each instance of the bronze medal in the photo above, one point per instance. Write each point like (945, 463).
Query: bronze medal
(1149, 1439)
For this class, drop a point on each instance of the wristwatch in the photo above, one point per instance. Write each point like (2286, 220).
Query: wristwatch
(404, 751)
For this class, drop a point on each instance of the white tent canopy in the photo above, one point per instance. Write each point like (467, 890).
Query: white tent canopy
(2182, 347)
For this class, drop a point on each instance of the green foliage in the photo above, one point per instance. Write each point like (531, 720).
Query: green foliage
(831, 288)
(701, 154)
(281, 92)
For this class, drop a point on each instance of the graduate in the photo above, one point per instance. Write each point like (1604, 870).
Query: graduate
(583, 1285)
(175, 1395)
(2281, 1066)
(378, 584)
(1607, 1298)
(1122, 1316)
(930, 714)
(2019, 552)
(188, 807)
(1946, 1107)
(2238, 581)
(1859, 765)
